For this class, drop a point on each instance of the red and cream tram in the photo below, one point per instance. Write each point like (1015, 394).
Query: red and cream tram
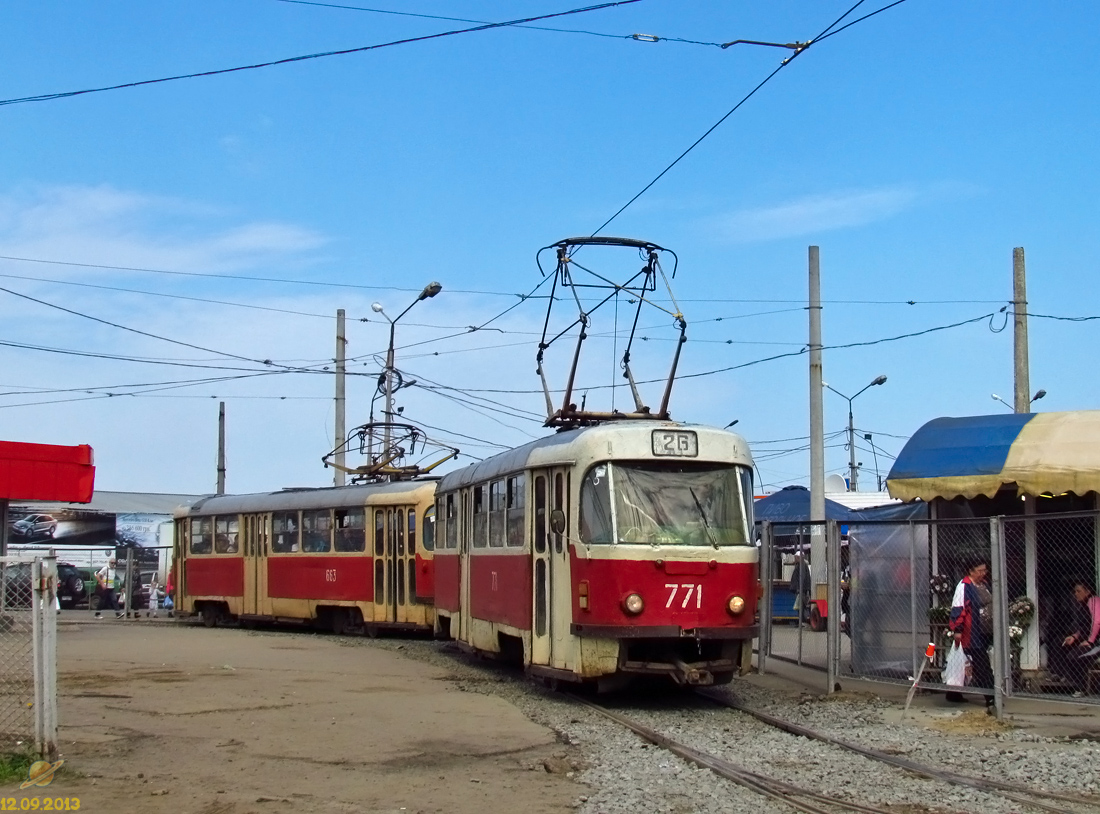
(604, 552)
(345, 558)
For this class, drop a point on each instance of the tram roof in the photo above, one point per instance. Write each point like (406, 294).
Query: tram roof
(307, 498)
(571, 446)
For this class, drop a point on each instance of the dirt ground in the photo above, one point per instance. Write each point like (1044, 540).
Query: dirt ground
(166, 717)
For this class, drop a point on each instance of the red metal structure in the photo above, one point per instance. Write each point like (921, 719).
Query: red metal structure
(46, 472)
(43, 472)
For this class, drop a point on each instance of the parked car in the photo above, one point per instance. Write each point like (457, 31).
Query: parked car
(88, 575)
(71, 587)
(17, 585)
(71, 590)
(35, 525)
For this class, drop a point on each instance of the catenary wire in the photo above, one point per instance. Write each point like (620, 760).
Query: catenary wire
(244, 277)
(321, 55)
(226, 354)
(647, 38)
(732, 110)
(321, 283)
(475, 439)
(172, 296)
(480, 408)
(479, 411)
(434, 385)
(765, 359)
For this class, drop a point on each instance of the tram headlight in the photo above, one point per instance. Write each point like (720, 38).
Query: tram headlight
(633, 604)
(736, 605)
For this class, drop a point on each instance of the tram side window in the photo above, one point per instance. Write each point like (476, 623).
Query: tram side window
(202, 537)
(516, 501)
(559, 503)
(351, 532)
(379, 532)
(284, 532)
(412, 531)
(427, 535)
(481, 516)
(540, 514)
(451, 520)
(226, 535)
(317, 530)
(497, 517)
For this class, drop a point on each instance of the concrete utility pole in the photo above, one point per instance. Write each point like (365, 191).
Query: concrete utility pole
(221, 447)
(817, 435)
(1022, 398)
(817, 418)
(340, 430)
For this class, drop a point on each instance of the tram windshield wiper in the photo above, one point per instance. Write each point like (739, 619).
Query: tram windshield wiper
(703, 514)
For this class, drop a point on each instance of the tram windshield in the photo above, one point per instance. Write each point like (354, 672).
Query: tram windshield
(697, 505)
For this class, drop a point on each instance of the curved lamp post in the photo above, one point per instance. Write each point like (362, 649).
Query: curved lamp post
(1038, 395)
(853, 470)
(430, 290)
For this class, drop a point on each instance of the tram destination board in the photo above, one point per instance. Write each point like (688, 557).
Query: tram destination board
(675, 444)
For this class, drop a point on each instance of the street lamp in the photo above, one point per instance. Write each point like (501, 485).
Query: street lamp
(430, 290)
(853, 470)
(1038, 395)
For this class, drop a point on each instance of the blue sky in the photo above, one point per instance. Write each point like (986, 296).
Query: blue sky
(916, 148)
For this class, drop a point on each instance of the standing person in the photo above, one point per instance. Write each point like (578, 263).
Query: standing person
(153, 596)
(972, 624)
(105, 588)
(800, 587)
(169, 593)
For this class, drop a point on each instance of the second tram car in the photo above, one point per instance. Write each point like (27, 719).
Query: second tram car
(604, 552)
(345, 558)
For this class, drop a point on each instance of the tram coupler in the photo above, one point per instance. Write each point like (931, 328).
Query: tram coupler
(693, 676)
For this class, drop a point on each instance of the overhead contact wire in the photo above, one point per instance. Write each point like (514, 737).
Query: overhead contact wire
(321, 55)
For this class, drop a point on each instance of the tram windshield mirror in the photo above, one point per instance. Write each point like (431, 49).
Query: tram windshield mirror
(692, 505)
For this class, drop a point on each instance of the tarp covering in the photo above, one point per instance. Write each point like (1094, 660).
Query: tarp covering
(791, 504)
(978, 455)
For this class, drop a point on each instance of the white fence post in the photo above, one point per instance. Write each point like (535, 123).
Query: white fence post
(44, 647)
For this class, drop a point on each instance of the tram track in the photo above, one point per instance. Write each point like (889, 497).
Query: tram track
(796, 797)
(1016, 792)
(800, 798)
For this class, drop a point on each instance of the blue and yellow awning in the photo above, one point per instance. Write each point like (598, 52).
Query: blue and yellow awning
(1035, 453)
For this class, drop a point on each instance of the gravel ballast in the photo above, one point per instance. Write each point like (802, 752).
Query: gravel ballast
(618, 772)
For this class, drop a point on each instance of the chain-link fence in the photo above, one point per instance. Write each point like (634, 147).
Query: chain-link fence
(899, 587)
(28, 654)
(138, 572)
(801, 592)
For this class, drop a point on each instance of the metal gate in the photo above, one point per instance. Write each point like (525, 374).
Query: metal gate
(28, 654)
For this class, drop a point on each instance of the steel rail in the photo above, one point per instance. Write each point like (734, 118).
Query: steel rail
(1011, 791)
(779, 790)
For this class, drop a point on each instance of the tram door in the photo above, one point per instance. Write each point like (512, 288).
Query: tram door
(464, 521)
(551, 641)
(394, 550)
(255, 571)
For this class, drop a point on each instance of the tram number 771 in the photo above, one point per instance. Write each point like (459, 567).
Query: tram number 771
(689, 588)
